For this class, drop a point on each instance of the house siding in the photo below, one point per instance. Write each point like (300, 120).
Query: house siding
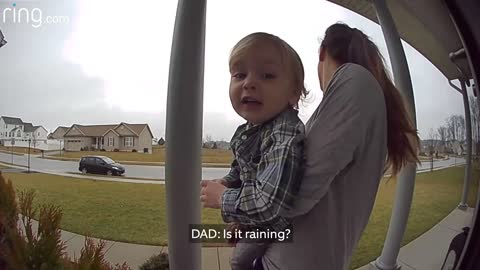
(77, 143)
(116, 141)
(145, 141)
(40, 134)
(123, 147)
(74, 132)
(124, 131)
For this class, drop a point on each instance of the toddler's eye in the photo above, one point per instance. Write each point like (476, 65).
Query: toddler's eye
(269, 76)
(239, 75)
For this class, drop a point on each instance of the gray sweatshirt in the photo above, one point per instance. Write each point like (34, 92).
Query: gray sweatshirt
(346, 149)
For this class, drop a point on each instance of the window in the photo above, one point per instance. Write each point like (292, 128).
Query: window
(38, 134)
(19, 133)
(110, 141)
(128, 141)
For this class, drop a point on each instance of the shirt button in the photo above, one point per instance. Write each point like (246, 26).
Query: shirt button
(244, 137)
(245, 169)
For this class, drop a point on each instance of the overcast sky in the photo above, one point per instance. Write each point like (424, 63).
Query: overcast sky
(109, 62)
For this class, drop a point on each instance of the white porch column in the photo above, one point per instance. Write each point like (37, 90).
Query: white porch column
(184, 132)
(406, 177)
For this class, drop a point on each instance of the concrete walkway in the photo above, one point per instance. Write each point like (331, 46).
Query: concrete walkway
(424, 253)
(213, 258)
(428, 251)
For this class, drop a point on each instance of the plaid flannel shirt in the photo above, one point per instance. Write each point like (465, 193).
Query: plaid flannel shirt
(266, 172)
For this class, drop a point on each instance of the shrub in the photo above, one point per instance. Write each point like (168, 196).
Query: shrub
(103, 150)
(156, 262)
(134, 150)
(116, 150)
(43, 249)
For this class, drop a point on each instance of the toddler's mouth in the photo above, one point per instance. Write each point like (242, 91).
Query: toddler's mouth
(250, 100)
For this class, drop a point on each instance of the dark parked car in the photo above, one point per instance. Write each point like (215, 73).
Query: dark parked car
(100, 165)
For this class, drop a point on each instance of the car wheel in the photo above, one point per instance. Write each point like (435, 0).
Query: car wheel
(109, 173)
(84, 171)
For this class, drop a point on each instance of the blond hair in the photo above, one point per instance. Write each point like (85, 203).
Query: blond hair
(289, 57)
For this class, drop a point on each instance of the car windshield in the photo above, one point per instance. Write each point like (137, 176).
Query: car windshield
(108, 160)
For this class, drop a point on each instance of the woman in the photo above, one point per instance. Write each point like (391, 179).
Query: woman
(361, 120)
(360, 128)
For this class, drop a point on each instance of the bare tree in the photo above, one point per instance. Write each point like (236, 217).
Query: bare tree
(450, 124)
(460, 128)
(207, 140)
(442, 136)
(456, 127)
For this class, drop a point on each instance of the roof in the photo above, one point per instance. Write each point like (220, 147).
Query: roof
(58, 133)
(100, 130)
(28, 127)
(425, 25)
(137, 128)
(94, 130)
(12, 120)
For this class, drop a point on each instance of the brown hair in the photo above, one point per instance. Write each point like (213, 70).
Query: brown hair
(289, 55)
(347, 45)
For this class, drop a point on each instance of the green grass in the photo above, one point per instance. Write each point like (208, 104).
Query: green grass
(137, 213)
(436, 195)
(19, 150)
(158, 155)
(110, 210)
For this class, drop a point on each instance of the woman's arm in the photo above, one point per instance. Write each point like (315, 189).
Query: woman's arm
(337, 133)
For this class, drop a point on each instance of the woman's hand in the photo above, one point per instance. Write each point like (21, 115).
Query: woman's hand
(211, 193)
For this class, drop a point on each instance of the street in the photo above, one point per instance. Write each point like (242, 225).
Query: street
(155, 172)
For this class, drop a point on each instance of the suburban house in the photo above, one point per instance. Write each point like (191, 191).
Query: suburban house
(58, 133)
(121, 137)
(14, 130)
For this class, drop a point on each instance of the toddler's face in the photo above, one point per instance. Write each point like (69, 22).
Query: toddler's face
(261, 86)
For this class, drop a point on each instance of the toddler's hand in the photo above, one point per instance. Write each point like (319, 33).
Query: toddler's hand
(211, 194)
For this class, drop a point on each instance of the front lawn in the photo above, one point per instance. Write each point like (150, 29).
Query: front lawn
(208, 155)
(137, 213)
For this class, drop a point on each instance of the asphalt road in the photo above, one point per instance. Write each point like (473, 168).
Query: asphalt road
(153, 172)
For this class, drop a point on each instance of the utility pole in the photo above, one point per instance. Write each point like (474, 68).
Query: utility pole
(29, 141)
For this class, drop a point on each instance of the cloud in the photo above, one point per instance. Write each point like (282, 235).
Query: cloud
(110, 62)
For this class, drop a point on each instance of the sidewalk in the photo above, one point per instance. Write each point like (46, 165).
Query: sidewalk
(213, 258)
(428, 251)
